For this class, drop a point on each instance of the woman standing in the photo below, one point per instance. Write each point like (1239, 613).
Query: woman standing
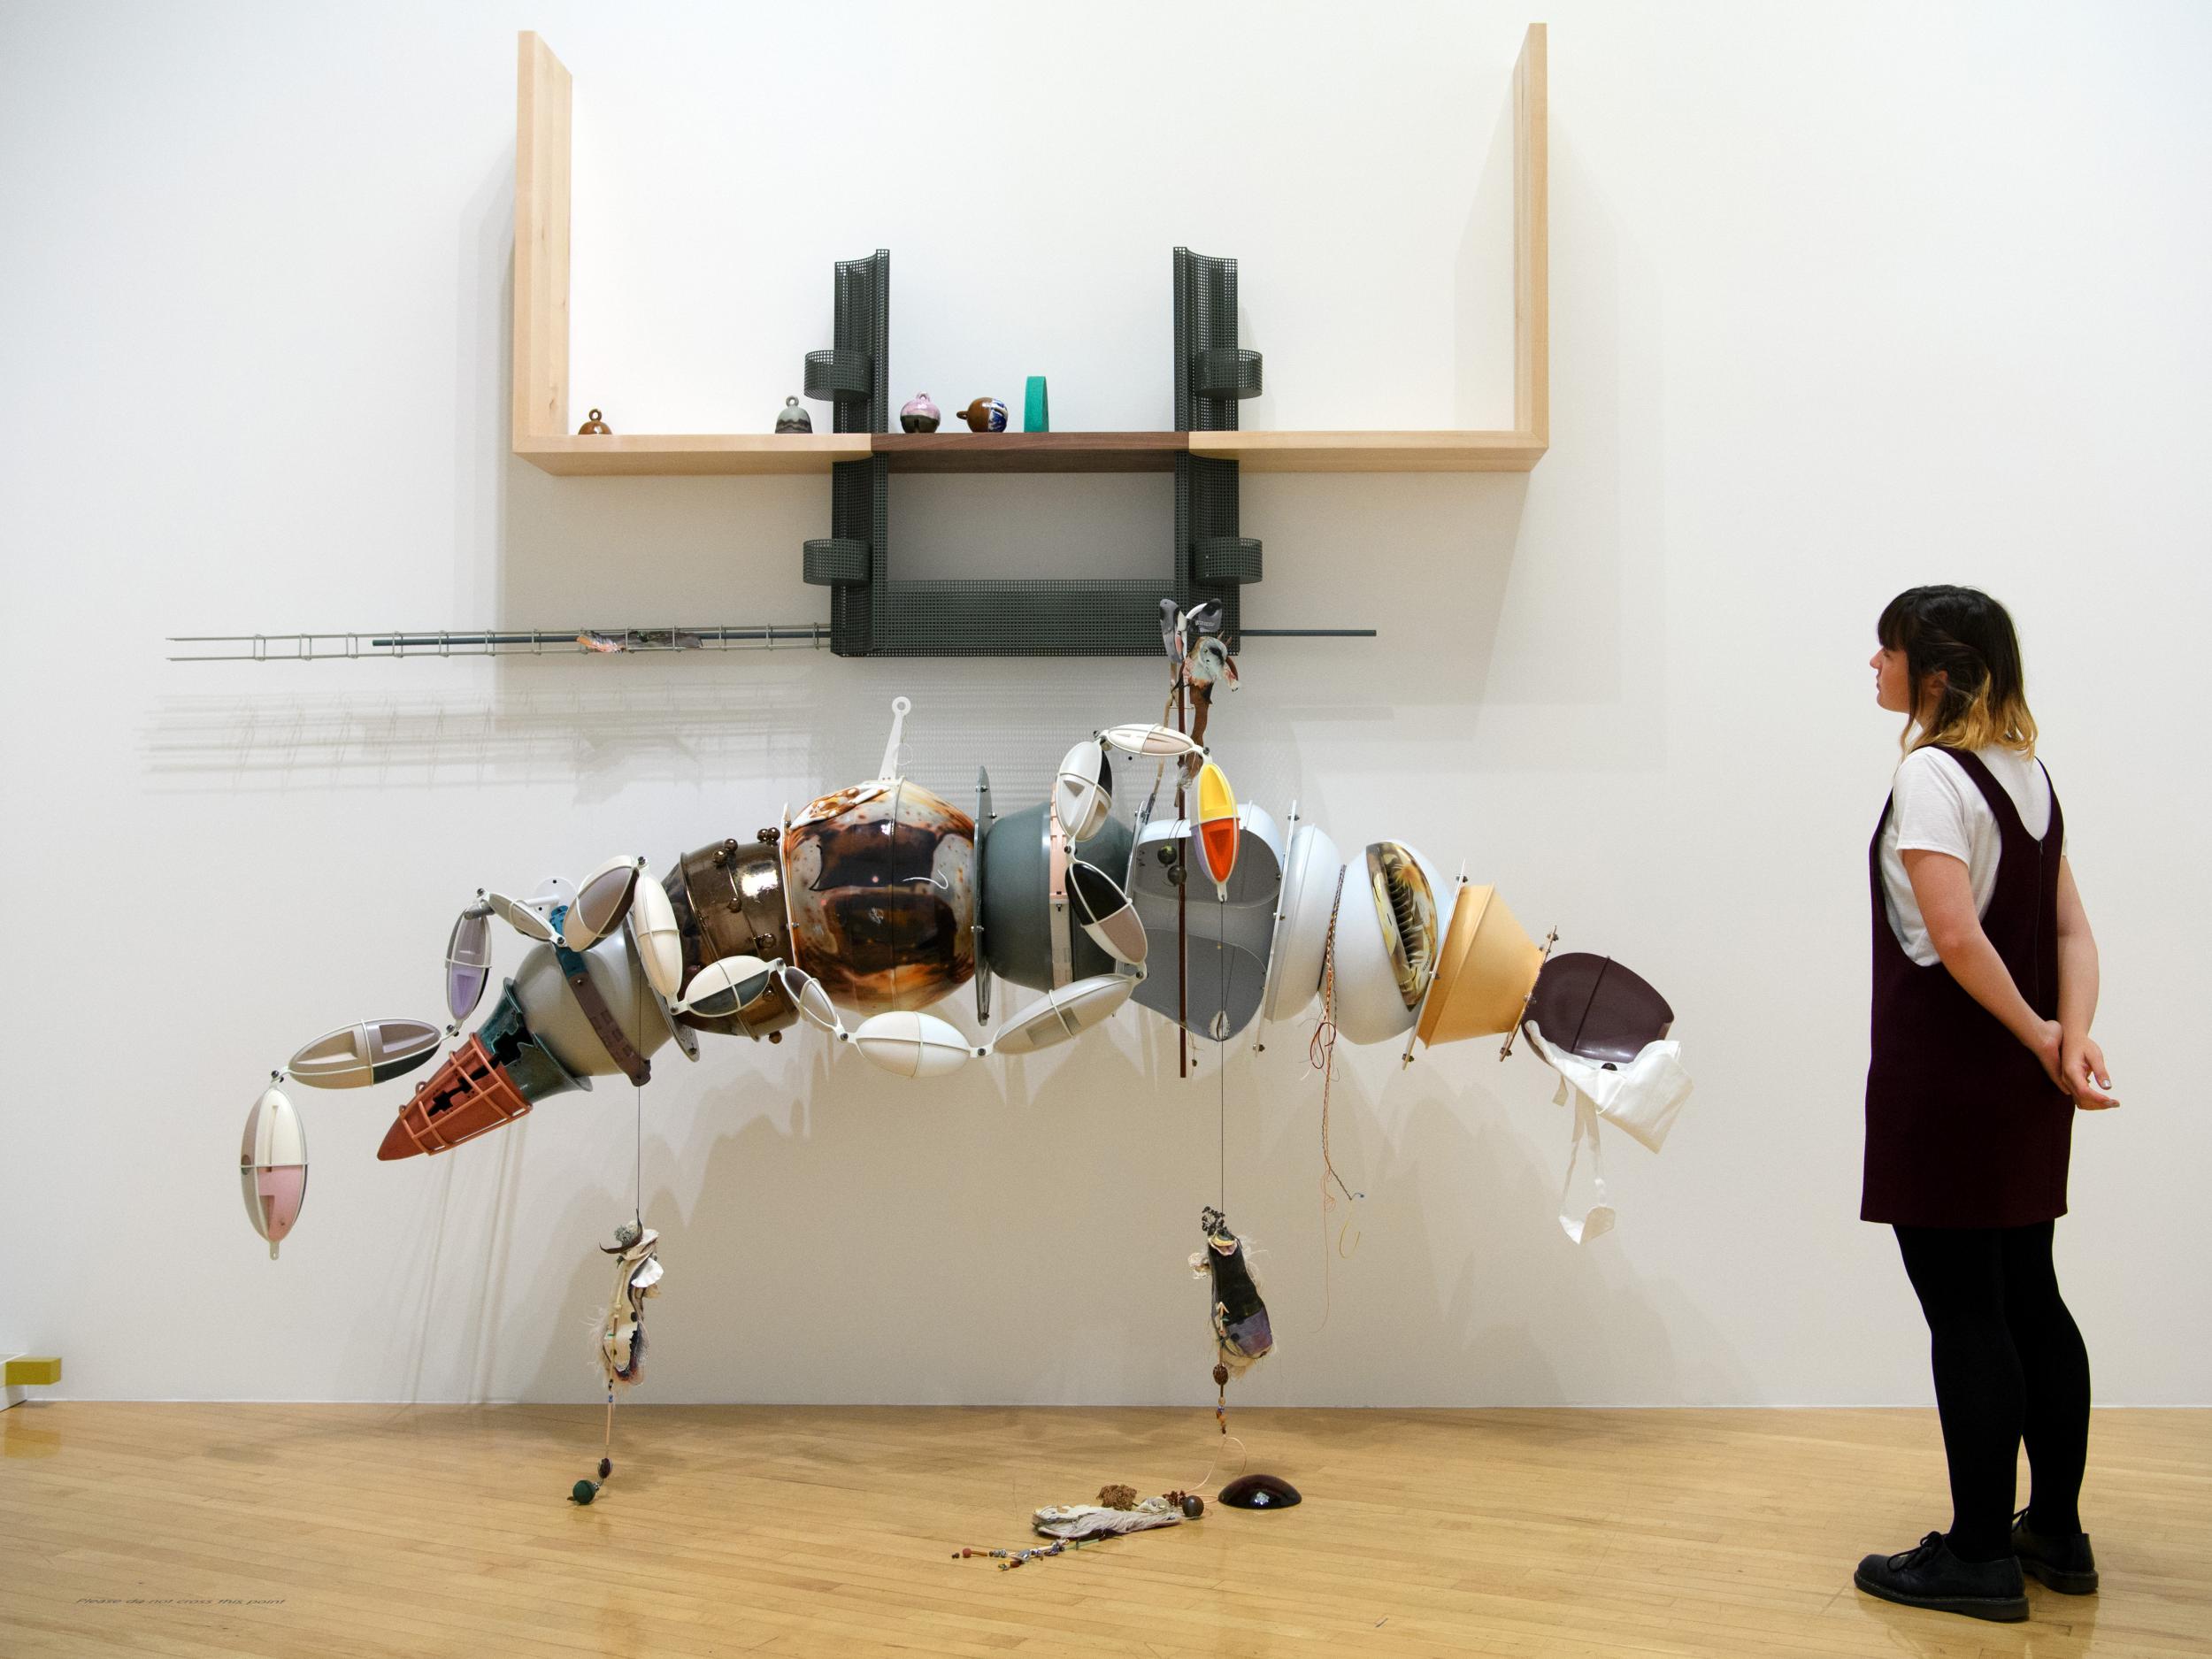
(1985, 985)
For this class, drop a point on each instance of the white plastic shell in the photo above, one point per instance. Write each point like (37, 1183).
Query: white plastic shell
(1059, 1015)
(1083, 795)
(601, 902)
(660, 942)
(1308, 889)
(369, 1051)
(273, 1166)
(909, 1043)
(1370, 1007)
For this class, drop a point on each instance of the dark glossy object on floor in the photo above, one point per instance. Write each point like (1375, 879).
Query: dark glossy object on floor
(1194, 1506)
(1258, 1492)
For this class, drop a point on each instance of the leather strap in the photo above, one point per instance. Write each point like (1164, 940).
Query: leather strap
(1056, 897)
(633, 1064)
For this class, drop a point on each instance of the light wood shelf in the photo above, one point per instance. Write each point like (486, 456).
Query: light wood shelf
(541, 354)
(652, 454)
(1373, 451)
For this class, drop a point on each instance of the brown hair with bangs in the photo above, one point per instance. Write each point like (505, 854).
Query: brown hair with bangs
(1963, 661)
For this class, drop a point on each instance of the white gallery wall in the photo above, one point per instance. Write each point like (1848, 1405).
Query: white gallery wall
(1843, 299)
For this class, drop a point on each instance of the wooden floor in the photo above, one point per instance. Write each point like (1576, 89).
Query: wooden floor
(339, 1531)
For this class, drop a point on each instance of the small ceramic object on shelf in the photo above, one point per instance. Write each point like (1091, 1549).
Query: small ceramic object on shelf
(1036, 408)
(794, 419)
(595, 428)
(985, 414)
(919, 414)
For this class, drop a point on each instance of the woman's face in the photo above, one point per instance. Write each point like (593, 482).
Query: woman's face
(1893, 681)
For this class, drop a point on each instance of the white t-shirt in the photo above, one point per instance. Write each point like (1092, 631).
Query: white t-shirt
(1934, 804)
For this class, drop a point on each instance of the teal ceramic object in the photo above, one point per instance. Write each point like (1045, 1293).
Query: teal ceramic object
(1036, 408)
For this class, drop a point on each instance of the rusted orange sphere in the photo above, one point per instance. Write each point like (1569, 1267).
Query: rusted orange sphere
(882, 882)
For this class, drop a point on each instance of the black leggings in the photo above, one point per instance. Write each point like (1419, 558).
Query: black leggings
(2009, 1367)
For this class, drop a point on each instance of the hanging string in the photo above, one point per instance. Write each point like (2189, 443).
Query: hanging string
(1182, 900)
(637, 1189)
(1221, 1445)
(1321, 1053)
(1221, 1041)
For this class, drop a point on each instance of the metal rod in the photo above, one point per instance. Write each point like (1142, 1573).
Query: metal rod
(758, 636)
(317, 647)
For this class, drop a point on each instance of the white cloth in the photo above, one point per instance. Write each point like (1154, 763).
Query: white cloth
(1642, 1099)
(1935, 807)
(1092, 1520)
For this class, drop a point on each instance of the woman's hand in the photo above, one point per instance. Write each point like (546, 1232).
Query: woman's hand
(1939, 882)
(2047, 1040)
(2085, 1078)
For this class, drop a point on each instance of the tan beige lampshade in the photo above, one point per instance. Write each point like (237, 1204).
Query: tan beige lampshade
(1485, 972)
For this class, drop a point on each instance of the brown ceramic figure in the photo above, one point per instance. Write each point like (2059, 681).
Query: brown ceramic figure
(985, 414)
(595, 428)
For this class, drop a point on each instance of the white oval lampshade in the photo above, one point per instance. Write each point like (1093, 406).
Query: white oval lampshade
(1083, 795)
(273, 1166)
(600, 903)
(1058, 1016)
(909, 1043)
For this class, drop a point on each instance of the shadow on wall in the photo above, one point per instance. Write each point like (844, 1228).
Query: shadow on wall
(1020, 1236)
(1426, 559)
(1483, 291)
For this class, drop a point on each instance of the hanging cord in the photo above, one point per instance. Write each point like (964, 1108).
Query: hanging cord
(1204, 1489)
(637, 1189)
(1221, 1044)
(637, 1198)
(1321, 1053)
(1182, 903)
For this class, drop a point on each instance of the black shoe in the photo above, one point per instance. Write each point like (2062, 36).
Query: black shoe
(1931, 1575)
(2065, 1563)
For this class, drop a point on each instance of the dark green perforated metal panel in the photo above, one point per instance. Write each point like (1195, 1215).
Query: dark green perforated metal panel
(873, 614)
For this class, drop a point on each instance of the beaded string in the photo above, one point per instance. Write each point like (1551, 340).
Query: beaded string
(1321, 1053)
(1007, 1558)
(1227, 1440)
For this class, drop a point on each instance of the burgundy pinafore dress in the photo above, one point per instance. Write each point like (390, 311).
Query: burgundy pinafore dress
(1962, 1127)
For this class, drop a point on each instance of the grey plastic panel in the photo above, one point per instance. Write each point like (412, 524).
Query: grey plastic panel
(1228, 942)
(1017, 904)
